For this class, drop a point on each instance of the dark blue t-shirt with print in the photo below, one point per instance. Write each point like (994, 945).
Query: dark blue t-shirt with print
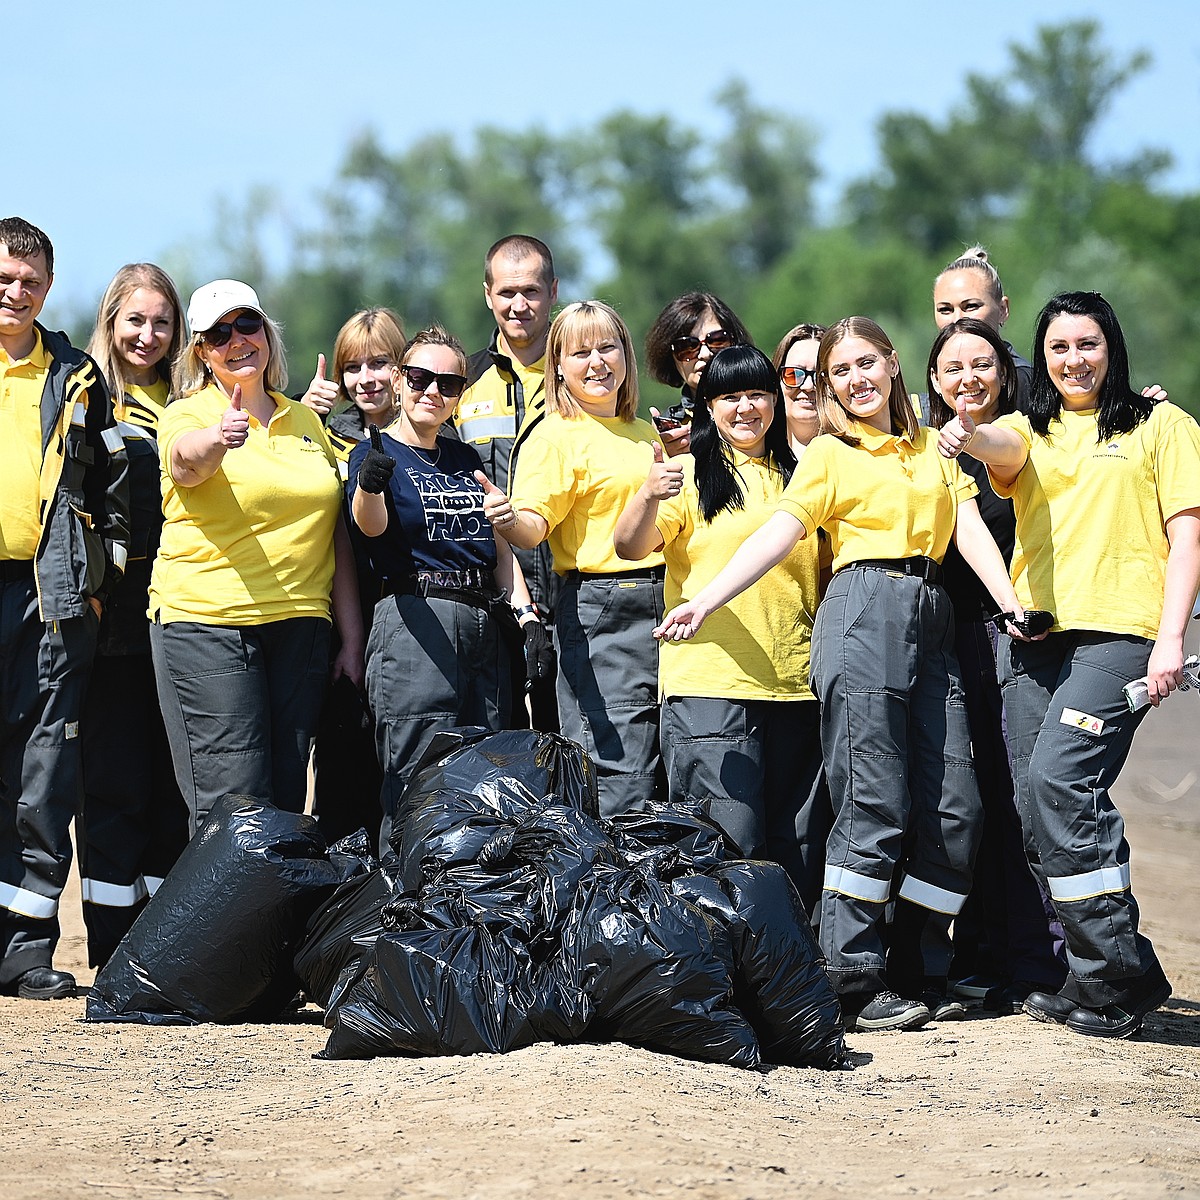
(435, 510)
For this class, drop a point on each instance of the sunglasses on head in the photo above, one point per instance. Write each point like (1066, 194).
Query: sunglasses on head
(797, 376)
(687, 348)
(245, 323)
(450, 386)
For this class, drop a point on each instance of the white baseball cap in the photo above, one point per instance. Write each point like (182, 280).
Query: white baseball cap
(212, 301)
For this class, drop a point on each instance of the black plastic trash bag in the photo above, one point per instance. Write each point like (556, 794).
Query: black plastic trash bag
(341, 932)
(216, 941)
(668, 840)
(433, 991)
(659, 972)
(780, 981)
(512, 771)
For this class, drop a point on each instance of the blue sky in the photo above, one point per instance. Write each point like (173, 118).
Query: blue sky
(134, 121)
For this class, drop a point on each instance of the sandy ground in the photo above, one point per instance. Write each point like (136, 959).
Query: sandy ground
(969, 1108)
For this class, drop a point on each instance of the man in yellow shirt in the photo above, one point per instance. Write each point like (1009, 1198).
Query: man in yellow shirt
(63, 532)
(505, 398)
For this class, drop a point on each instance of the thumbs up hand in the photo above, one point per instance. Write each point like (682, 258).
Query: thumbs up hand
(234, 428)
(322, 393)
(665, 479)
(375, 470)
(497, 507)
(957, 433)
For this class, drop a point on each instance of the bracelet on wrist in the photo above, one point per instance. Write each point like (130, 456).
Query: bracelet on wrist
(527, 610)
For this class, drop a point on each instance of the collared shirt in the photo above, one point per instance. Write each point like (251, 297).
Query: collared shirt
(1091, 516)
(22, 382)
(888, 497)
(756, 647)
(253, 543)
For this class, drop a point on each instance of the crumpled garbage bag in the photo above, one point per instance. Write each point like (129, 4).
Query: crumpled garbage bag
(780, 983)
(659, 972)
(216, 941)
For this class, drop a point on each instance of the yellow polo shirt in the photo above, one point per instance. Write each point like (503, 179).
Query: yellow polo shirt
(887, 497)
(1091, 543)
(254, 542)
(22, 382)
(578, 474)
(756, 647)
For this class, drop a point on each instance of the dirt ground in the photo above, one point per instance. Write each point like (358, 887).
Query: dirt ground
(968, 1108)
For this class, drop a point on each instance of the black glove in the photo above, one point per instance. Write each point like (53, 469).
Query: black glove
(540, 659)
(377, 466)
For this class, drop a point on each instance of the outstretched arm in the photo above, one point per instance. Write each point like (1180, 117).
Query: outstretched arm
(976, 544)
(768, 546)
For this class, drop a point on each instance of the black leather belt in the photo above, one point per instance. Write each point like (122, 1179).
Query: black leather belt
(643, 573)
(922, 568)
(12, 569)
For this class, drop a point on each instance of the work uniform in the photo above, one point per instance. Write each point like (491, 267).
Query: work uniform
(893, 721)
(1091, 547)
(436, 653)
(240, 604)
(578, 474)
(740, 725)
(63, 541)
(134, 823)
(503, 402)
(1007, 932)
(347, 773)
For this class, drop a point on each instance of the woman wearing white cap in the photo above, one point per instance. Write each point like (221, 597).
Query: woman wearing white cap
(241, 592)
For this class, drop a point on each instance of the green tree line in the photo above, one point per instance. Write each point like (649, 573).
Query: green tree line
(639, 208)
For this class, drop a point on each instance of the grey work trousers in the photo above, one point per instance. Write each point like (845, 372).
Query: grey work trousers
(755, 767)
(1070, 732)
(240, 703)
(608, 682)
(43, 677)
(432, 664)
(898, 759)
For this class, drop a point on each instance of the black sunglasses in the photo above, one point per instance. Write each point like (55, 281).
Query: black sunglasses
(245, 323)
(450, 386)
(797, 376)
(687, 348)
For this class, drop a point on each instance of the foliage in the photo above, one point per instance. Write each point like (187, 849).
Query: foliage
(640, 207)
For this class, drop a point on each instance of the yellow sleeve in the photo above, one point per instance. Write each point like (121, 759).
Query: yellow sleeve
(546, 481)
(810, 495)
(1176, 461)
(1019, 424)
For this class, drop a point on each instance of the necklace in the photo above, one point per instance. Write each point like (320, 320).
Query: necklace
(420, 457)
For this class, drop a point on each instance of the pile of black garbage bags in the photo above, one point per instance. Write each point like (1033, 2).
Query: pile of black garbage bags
(507, 914)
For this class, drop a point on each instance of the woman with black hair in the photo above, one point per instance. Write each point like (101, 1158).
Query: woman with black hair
(740, 726)
(680, 345)
(1106, 487)
(1007, 940)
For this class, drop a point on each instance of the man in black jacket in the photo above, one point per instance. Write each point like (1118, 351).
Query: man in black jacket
(63, 538)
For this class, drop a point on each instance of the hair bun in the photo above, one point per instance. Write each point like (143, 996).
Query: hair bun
(976, 252)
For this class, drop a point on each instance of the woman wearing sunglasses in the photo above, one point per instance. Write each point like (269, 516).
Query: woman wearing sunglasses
(680, 344)
(253, 556)
(795, 359)
(740, 726)
(578, 470)
(1106, 487)
(436, 655)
